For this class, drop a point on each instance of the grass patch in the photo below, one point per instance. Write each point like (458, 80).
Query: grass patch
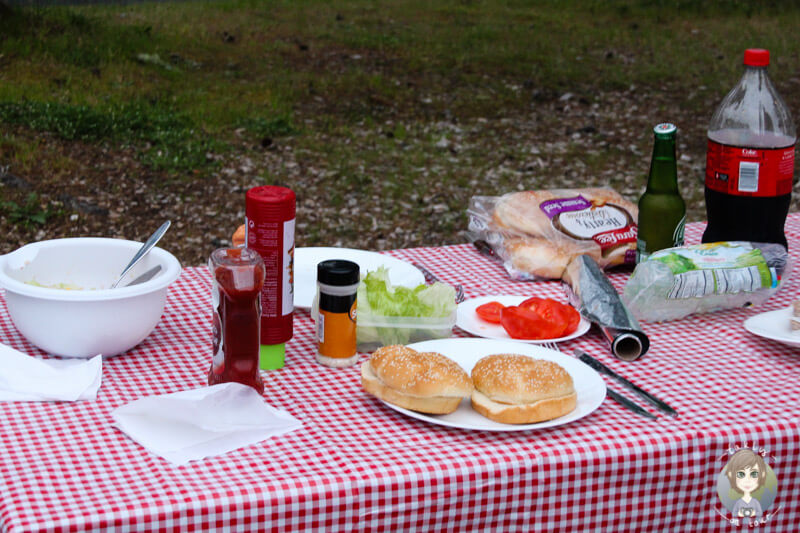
(75, 122)
(175, 79)
(236, 59)
(30, 213)
(166, 140)
(71, 37)
(280, 126)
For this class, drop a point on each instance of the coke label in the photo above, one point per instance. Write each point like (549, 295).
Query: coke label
(761, 172)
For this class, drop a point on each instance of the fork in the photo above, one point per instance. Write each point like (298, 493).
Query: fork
(431, 278)
(459, 293)
(551, 346)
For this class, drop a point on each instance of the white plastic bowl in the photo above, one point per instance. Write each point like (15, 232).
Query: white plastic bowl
(95, 319)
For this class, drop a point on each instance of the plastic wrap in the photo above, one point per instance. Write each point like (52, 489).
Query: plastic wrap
(678, 282)
(537, 233)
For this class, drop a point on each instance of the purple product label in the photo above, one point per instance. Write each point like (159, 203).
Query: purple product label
(552, 208)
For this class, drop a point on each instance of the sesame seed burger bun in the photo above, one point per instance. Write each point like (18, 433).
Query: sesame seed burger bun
(427, 382)
(517, 389)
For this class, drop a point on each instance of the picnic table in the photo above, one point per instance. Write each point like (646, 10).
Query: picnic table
(357, 465)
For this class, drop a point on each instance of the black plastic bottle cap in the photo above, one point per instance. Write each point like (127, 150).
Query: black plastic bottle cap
(338, 272)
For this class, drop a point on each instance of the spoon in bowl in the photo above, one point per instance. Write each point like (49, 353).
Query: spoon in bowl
(147, 276)
(146, 247)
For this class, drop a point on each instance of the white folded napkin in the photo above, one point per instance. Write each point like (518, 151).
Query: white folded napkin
(24, 378)
(190, 425)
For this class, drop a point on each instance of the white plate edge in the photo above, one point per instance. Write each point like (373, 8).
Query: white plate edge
(497, 426)
(355, 251)
(582, 329)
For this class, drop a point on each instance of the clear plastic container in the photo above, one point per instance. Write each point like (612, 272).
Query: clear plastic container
(374, 332)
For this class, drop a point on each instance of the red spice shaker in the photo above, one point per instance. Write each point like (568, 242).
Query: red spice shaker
(238, 277)
(269, 227)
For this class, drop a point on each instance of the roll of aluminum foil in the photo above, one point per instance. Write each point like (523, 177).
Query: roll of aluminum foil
(592, 294)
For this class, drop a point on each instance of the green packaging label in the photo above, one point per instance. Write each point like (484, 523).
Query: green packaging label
(716, 268)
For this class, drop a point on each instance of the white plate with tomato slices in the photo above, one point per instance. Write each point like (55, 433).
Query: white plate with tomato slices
(467, 319)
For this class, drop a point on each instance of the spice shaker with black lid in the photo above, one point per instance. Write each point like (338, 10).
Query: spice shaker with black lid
(337, 283)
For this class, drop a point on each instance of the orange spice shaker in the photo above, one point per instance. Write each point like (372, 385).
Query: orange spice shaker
(337, 282)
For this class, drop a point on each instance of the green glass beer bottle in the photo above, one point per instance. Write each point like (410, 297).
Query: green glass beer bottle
(662, 211)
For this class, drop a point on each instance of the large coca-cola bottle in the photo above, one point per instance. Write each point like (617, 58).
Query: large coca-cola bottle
(750, 161)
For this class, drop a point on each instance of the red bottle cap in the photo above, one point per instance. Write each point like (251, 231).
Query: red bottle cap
(756, 57)
(270, 202)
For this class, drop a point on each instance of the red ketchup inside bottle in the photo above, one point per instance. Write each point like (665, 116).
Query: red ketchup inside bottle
(238, 277)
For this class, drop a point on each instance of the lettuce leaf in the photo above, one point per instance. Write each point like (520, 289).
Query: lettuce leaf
(377, 296)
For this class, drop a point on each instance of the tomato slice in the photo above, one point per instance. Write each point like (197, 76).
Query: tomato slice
(552, 311)
(574, 319)
(555, 311)
(490, 312)
(523, 323)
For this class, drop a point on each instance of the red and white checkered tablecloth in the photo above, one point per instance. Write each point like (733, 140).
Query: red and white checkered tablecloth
(358, 465)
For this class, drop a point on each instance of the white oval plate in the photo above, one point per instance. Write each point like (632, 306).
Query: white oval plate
(589, 386)
(305, 269)
(774, 325)
(468, 320)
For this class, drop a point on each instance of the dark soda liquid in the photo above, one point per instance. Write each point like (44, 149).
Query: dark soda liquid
(745, 218)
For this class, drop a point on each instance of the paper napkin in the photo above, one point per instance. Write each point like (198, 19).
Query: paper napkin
(190, 425)
(24, 378)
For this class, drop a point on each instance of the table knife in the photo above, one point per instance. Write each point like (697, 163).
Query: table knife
(603, 369)
(636, 408)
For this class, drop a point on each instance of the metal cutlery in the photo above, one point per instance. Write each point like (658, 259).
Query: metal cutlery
(146, 247)
(603, 369)
(614, 395)
(430, 277)
(147, 276)
(636, 408)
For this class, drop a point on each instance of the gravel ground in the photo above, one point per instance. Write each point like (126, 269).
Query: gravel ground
(561, 140)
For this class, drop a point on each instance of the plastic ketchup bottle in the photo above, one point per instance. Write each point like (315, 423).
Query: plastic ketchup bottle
(238, 277)
(269, 230)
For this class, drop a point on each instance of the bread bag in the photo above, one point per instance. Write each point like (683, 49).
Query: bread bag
(537, 233)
